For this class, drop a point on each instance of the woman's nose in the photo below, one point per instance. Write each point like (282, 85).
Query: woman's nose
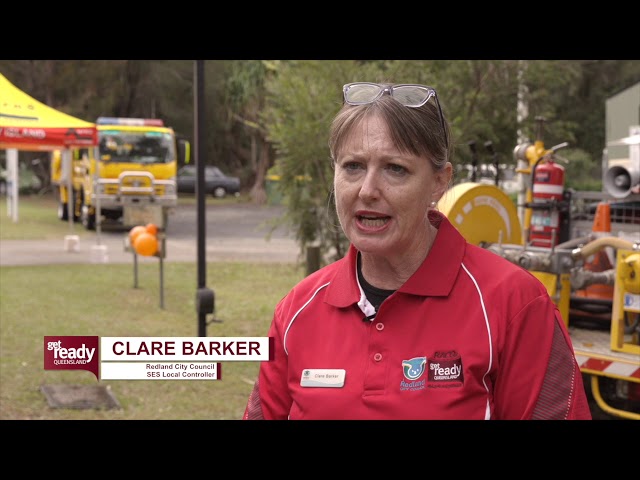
(370, 187)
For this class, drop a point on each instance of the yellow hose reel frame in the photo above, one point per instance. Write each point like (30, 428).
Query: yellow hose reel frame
(482, 213)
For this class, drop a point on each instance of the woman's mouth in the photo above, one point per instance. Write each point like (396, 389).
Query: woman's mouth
(372, 221)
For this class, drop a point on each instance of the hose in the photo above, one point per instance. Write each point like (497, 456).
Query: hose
(599, 243)
(576, 242)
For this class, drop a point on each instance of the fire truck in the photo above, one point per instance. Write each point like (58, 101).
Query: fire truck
(584, 247)
(130, 177)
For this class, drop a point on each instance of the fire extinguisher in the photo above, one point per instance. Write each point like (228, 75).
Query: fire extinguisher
(547, 207)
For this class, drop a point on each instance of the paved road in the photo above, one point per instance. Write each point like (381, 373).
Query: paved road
(233, 233)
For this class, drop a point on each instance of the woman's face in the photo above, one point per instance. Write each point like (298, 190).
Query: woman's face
(383, 196)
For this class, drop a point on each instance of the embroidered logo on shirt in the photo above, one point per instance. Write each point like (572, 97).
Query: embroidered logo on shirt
(445, 370)
(413, 370)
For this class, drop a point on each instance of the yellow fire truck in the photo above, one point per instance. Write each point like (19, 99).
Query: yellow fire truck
(585, 248)
(130, 177)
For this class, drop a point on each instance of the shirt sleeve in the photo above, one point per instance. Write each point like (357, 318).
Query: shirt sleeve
(538, 376)
(270, 399)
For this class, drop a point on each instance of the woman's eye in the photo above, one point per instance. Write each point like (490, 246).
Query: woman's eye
(352, 166)
(397, 168)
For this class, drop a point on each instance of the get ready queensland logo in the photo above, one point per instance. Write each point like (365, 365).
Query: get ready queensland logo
(72, 353)
(152, 358)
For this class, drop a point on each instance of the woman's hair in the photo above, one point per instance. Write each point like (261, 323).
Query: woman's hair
(414, 130)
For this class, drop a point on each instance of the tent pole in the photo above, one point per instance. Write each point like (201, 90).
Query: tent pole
(96, 192)
(66, 162)
(13, 190)
(71, 242)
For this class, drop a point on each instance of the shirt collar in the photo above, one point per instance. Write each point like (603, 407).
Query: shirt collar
(435, 277)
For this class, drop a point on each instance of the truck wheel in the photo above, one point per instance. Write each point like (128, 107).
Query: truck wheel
(88, 219)
(77, 206)
(63, 212)
(219, 192)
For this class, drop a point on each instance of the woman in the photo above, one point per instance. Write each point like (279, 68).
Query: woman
(414, 322)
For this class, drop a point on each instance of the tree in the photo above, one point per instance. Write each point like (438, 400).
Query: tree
(302, 98)
(245, 134)
(479, 98)
(261, 113)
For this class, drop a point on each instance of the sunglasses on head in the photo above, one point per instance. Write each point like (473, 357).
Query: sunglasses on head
(409, 95)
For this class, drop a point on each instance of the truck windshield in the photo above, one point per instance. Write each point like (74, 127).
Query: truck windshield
(136, 147)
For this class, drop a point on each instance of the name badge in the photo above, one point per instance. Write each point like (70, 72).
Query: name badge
(323, 377)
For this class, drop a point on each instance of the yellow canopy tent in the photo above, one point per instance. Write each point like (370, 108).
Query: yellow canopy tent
(27, 124)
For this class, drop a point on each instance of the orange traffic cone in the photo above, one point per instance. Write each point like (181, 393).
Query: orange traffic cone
(602, 260)
(602, 220)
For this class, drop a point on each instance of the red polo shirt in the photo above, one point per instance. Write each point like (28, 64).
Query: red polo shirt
(469, 336)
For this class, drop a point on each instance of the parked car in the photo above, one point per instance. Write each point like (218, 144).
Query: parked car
(216, 182)
(28, 182)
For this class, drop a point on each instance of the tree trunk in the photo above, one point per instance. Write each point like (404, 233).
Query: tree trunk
(258, 193)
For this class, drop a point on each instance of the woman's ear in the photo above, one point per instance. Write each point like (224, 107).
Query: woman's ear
(442, 181)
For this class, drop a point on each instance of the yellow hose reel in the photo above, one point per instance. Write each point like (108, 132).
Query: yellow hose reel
(482, 213)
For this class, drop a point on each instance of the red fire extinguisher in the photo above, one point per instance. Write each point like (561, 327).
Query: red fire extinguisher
(547, 195)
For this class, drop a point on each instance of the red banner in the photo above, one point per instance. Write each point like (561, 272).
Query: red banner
(27, 124)
(44, 138)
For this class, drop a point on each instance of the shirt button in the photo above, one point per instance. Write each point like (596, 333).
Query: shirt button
(380, 326)
(377, 357)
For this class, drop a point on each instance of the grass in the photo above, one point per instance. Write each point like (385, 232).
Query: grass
(38, 220)
(100, 300)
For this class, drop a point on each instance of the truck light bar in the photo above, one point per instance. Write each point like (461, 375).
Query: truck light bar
(142, 122)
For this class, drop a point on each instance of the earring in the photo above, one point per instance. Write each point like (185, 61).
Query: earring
(433, 204)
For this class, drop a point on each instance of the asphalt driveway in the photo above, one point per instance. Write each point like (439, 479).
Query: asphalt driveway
(237, 232)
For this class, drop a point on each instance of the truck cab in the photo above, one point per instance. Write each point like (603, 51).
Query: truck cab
(130, 177)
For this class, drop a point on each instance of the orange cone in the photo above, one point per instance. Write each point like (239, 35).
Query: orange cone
(602, 220)
(602, 260)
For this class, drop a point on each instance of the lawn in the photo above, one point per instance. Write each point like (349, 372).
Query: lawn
(100, 300)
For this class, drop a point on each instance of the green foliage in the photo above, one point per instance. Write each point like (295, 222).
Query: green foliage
(79, 300)
(100, 299)
(479, 98)
(244, 84)
(261, 113)
(581, 172)
(302, 99)
(243, 94)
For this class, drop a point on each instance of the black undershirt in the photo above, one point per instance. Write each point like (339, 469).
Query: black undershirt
(375, 295)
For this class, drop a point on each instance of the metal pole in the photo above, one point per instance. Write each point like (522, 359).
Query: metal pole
(496, 163)
(96, 193)
(12, 190)
(204, 296)
(161, 283)
(474, 159)
(201, 224)
(135, 270)
(67, 163)
(522, 113)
